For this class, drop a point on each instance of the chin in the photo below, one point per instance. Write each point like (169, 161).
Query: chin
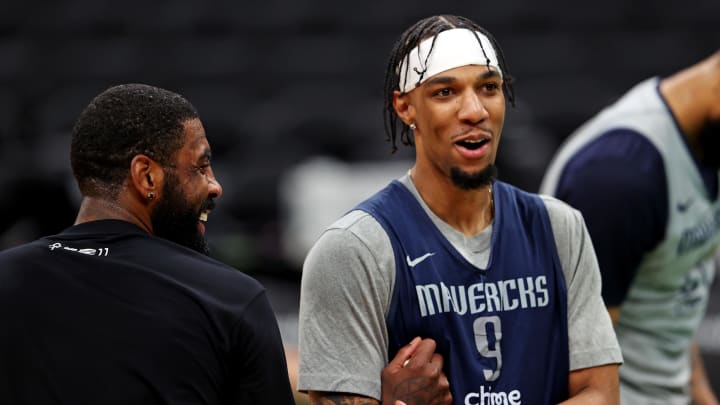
(473, 180)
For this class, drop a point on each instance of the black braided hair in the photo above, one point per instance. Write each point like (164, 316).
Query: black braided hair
(421, 30)
(120, 123)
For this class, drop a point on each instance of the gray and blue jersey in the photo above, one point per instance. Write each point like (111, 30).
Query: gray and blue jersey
(488, 323)
(630, 172)
(354, 280)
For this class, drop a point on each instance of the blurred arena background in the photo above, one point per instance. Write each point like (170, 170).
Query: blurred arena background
(290, 93)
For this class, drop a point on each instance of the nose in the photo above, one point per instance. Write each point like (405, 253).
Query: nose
(214, 188)
(472, 108)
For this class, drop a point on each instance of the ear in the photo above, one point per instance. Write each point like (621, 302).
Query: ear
(403, 107)
(146, 176)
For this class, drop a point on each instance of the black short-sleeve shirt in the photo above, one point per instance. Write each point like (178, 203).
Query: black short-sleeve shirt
(104, 313)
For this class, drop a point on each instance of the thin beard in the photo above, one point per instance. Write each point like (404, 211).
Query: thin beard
(473, 181)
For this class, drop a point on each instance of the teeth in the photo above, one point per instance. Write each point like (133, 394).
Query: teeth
(203, 216)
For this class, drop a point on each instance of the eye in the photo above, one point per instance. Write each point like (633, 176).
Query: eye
(203, 168)
(491, 87)
(444, 92)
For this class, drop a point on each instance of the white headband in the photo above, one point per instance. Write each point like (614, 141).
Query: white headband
(452, 48)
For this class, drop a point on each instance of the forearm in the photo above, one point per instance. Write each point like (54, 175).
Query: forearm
(595, 385)
(593, 396)
(700, 386)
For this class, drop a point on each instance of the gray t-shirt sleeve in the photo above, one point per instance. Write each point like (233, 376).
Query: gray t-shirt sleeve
(347, 282)
(592, 340)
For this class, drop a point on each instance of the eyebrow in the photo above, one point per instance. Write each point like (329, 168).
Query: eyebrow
(489, 74)
(207, 154)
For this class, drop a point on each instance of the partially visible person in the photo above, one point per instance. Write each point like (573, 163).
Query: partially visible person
(497, 290)
(644, 174)
(125, 306)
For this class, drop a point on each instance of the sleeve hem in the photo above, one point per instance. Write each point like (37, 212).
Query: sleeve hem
(595, 358)
(348, 384)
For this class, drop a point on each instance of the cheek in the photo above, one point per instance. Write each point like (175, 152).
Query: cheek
(200, 193)
(501, 125)
(192, 193)
(440, 117)
(496, 108)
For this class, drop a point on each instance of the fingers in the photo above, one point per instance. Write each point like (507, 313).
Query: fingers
(436, 363)
(415, 375)
(404, 353)
(444, 384)
(423, 354)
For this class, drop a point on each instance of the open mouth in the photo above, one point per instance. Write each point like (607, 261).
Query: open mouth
(472, 144)
(205, 209)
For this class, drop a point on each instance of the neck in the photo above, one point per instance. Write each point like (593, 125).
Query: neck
(95, 209)
(691, 95)
(468, 211)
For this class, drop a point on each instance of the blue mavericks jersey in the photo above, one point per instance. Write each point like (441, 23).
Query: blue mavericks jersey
(502, 331)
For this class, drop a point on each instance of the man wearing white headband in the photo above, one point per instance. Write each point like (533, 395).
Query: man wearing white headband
(449, 286)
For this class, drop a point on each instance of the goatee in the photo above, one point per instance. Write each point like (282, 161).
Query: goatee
(473, 181)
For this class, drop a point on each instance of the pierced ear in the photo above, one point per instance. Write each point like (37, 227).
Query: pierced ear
(403, 107)
(146, 176)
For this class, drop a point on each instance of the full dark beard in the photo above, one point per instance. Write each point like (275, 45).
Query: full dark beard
(176, 220)
(473, 181)
(709, 141)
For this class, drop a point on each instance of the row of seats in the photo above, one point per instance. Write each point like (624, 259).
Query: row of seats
(351, 56)
(43, 84)
(136, 16)
(278, 83)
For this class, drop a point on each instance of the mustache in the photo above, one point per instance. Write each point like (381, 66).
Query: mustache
(474, 128)
(209, 204)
